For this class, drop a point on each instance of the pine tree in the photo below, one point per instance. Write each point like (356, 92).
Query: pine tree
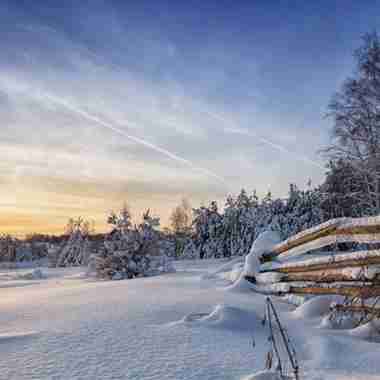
(76, 251)
(130, 252)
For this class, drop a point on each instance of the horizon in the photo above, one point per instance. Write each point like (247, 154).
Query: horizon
(102, 103)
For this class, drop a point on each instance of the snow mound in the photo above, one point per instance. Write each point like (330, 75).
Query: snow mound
(369, 331)
(194, 317)
(35, 274)
(6, 337)
(4, 265)
(165, 265)
(241, 285)
(295, 299)
(315, 307)
(236, 272)
(228, 267)
(263, 244)
(343, 323)
(117, 276)
(224, 317)
(264, 375)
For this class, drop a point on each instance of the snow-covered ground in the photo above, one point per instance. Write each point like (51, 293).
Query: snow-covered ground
(191, 324)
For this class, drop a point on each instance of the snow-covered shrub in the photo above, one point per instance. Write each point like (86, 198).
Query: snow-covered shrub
(26, 251)
(117, 264)
(35, 274)
(52, 256)
(168, 245)
(161, 264)
(74, 252)
(190, 251)
(13, 250)
(8, 247)
(130, 252)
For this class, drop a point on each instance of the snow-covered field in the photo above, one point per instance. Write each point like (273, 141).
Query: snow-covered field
(191, 324)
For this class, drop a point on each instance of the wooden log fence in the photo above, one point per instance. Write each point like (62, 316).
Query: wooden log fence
(351, 274)
(341, 230)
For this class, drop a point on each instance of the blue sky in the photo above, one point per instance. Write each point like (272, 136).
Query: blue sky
(152, 101)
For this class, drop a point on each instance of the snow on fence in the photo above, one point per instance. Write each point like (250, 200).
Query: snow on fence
(341, 230)
(351, 274)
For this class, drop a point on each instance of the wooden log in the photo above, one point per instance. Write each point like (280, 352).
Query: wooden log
(337, 230)
(322, 242)
(367, 258)
(282, 248)
(375, 311)
(328, 275)
(302, 238)
(368, 290)
(351, 291)
(358, 230)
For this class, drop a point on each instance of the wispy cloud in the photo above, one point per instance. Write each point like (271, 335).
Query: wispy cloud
(104, 97)
(135, 139)
(233, 128)
(276, 146)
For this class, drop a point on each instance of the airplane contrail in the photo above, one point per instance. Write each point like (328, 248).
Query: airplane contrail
(107, 125)
(245, 132)
(275, 146)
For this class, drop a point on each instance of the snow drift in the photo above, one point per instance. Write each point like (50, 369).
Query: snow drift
(264, 375)
(317, 306)
(224, 316)
(263, 244)
(369, 331)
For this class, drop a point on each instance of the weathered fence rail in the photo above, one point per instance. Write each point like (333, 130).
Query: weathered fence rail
(353, 274)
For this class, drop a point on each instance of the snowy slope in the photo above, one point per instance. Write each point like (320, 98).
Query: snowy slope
(177, 326)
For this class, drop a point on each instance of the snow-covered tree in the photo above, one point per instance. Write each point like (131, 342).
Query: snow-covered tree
(30, 251)
(233, 231)
(355, 110)
(121, 221)
(302, 211)
(208, 231)
(129, 252)
(76, 250)
(181, 226)
(8, 246)
(180, 218)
